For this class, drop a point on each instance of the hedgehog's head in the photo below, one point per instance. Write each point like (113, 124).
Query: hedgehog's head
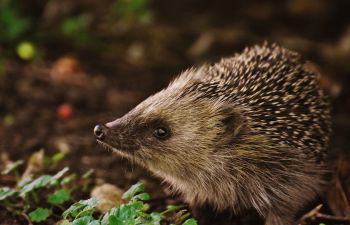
(174, 131)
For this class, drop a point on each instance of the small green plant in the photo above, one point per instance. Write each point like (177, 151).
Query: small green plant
(133, 212)
(51, 197)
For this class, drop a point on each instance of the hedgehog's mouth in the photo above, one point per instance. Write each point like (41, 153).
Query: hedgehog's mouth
(114, 149)
(108, 146)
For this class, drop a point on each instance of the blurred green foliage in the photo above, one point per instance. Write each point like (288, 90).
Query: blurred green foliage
(20, 35)
(12, 25)
(133, 11)
(77, 29)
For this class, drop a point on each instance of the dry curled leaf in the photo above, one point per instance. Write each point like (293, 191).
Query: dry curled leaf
(35, 164)
(107, 196)
(68, 70)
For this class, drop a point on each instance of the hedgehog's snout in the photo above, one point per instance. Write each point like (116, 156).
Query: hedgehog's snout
(100, 132)
(108, 130)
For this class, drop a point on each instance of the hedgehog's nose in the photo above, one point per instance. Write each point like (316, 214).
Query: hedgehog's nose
(100, 132)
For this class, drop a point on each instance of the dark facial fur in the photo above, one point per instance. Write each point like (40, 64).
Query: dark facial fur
(249, 132)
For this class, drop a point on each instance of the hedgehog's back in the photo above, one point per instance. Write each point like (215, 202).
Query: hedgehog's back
(276, 91)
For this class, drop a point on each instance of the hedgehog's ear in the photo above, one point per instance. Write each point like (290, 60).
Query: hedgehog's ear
(233, 121)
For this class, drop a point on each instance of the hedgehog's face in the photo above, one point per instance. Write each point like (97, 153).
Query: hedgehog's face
(171, 136)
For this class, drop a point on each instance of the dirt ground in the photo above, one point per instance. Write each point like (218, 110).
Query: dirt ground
(103, 83)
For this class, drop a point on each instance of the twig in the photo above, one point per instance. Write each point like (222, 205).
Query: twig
(315, 216)
(27, 218)
(311, 214)
(329, 218)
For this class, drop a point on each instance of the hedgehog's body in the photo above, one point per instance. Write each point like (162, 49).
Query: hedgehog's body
(249, 132)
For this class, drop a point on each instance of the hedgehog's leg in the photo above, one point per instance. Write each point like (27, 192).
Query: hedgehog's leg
(206, 215)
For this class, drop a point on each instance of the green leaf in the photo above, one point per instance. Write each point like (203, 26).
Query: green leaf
(81, 208)
(40, 182)
(184, 215)
(58, 157)
(68, 179)
(136, 188)
(6, 192)
(172, 208)
(24, 181)
(112, 211)
(137, 205)
(59, 197)
(113, 220)
(190, 222)
(85, 220)
(11, 167)
(40, 214)
(65, 222)
(142, 196)
(127, 213)
(156, 217)
(95, 222)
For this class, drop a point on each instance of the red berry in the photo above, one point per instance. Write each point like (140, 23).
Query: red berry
(65, 111)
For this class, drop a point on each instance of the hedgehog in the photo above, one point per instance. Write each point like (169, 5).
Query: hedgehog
(250, 132)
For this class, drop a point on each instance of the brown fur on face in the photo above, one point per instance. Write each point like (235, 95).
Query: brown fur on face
(249, 132)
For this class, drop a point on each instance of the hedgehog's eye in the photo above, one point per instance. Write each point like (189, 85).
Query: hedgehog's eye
(161, 132)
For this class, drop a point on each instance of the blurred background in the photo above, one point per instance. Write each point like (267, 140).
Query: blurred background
(68, 65)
